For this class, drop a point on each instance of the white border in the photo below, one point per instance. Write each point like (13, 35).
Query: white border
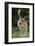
(10, 20)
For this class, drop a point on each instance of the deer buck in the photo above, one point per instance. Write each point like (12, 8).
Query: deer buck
(22, 23)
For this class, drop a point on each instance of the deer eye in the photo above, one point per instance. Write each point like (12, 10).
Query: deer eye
(19, 23)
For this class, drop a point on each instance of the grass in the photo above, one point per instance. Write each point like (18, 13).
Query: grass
(16, 33)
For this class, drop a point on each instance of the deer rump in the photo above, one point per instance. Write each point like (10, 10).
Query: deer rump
(22, 25)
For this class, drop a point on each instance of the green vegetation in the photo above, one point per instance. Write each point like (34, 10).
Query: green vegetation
(16, 33)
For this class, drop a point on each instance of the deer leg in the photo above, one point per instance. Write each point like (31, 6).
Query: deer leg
(26, 31)
(20, 29)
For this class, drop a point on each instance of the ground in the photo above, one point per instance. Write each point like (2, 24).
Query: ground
(16, 33)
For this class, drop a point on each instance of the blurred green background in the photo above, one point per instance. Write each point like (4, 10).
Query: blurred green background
(24, 12)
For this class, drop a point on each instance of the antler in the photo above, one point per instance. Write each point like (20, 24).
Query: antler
(19, 12)
(24, 18)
